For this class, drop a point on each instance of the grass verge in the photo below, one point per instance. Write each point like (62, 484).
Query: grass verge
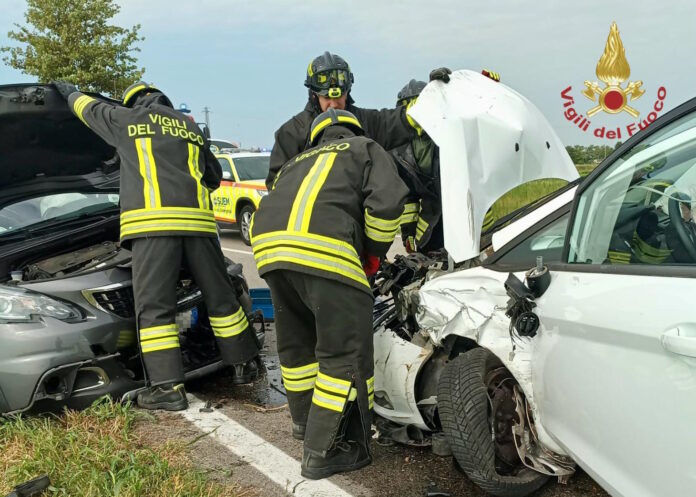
(95, 453)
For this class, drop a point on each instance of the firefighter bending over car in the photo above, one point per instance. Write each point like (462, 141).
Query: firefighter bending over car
(329, 80)
(332, 212)
(167, 174)
(418, 163)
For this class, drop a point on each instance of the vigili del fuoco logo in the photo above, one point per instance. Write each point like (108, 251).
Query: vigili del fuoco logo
(612, 96)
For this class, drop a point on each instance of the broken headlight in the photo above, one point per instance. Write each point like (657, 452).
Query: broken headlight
(18, 305)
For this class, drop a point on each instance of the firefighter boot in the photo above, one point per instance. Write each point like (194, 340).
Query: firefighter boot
(298, 431)
(341, 458)
(243, 374)
(167, 397)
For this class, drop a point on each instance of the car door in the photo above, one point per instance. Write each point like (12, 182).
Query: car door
(223, 197)
(614, 373)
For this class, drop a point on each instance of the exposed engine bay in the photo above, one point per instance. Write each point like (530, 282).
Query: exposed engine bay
(93, 257)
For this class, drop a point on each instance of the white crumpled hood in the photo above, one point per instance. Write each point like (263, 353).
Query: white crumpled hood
(491, 140)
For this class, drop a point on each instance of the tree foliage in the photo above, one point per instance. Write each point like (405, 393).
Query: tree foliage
(72, 40)
(591, 154)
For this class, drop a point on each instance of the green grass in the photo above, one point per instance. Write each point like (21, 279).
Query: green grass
(96, 453)
(529, 192)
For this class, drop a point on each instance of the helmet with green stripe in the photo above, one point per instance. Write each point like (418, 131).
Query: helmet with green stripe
(136, 90)
(330, 118)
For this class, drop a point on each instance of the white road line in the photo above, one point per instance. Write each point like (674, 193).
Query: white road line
(265, 457)
(248, 252)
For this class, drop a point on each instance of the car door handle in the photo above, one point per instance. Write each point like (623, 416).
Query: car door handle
(680, 340)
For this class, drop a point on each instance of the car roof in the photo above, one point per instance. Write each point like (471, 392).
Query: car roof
(236, 155)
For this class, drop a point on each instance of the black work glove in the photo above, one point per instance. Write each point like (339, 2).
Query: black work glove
(440, 74)
(64, 88)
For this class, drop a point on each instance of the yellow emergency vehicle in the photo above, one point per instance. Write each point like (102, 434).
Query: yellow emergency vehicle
(242, 187)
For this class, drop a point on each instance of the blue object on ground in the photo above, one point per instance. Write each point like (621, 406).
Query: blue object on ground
(261, 300)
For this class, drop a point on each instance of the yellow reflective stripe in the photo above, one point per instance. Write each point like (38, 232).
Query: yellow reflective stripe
(143, 173)
(410, 214)
(316, 188)
(308, 191)
(311, 259)
(301, 371)
(334, 385)
(229, 319)
(173, 223)
(153, 171)
(619, 257)
(149, 335)
(195, 172)
(161, 344)
(370, 384)
(421, 228)
(647, 253)
(165, 212)
(79, 107)
(379, 236)
(227, 326)
(318, 128)
(308, 240)
(157, 228)
(135, 90)
(382, 224)
(299, 385)
(328, 401)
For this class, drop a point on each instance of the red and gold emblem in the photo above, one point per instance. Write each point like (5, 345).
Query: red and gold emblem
(613, 70)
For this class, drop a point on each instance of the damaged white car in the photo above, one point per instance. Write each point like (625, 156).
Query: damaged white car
(597, 365)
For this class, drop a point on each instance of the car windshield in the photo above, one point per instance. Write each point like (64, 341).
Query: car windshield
(43, 211)
(251, 168)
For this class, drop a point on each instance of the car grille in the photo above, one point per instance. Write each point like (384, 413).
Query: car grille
(119, 301)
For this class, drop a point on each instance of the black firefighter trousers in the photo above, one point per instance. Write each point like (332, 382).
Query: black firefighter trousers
(156, 265)
(325, 346)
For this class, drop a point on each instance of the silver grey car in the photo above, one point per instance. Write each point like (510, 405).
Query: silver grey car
(67, 326)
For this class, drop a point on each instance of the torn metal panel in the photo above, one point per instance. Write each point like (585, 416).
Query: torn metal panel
(398, 362)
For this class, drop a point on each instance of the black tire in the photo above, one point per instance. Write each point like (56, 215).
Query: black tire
(463, 405)
(243, 220)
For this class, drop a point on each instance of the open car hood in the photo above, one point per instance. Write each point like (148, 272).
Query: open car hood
(491, 140)
(43, 143)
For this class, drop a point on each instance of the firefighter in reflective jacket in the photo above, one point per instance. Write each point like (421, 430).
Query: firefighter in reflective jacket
(317, 237)
(167, 174)
(329, 81)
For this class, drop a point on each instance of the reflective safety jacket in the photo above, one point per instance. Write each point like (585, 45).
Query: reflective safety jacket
(418, 163)
(167, 170)
(388, 127)
(327, 207)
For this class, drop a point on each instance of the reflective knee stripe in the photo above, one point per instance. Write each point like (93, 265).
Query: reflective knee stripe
(148, 171)
(301, 378)
(195, 171)
(303, 205)
(80, 105)
(410, 214)
(228, 326)
(371, 391)
(648, 254)
(147, 220)
(617, 257)
(421, 228)
(310, 250)
(381, 230)
(331, 393)
(157, 338)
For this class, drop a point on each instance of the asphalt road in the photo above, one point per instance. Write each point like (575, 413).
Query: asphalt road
(258, 426)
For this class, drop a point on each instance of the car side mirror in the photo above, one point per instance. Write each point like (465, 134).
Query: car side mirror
(226, 175)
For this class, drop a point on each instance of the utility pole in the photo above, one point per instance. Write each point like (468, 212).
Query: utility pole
(206, 111)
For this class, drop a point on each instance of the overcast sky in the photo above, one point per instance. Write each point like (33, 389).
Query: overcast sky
(246, 60)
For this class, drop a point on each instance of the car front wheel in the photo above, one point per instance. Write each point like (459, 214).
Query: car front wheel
(244, 220)
(476, 410)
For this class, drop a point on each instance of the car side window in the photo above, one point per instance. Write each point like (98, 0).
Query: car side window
(547, 242)
(640, 210)
(226, 169)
